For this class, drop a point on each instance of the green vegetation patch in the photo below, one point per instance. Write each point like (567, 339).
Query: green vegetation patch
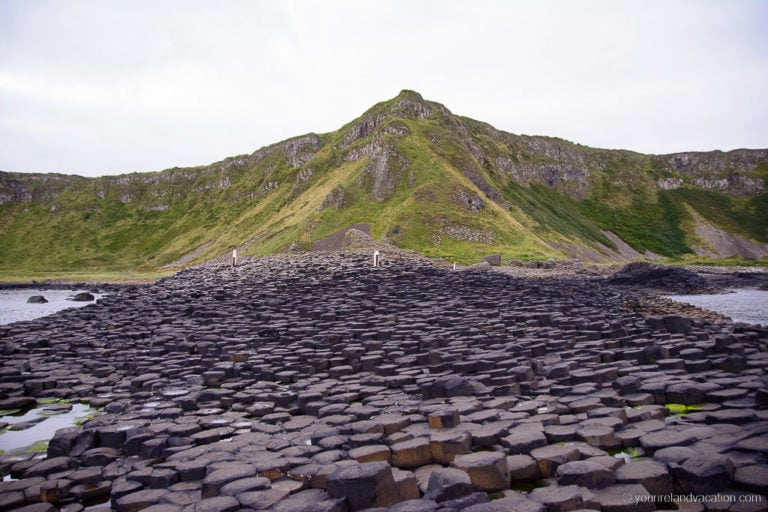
(680, 410)
(655, 226)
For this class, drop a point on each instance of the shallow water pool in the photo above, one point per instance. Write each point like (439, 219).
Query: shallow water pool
(745, 305)
(14, 306)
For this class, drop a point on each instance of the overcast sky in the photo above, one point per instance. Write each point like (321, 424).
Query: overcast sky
(107, 87)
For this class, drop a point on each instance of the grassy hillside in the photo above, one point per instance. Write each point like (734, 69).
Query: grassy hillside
(423, 178)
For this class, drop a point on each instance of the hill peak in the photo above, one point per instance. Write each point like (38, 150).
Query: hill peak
(424, 179)
(408, 104)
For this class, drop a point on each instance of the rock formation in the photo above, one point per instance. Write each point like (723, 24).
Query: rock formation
(318, 382)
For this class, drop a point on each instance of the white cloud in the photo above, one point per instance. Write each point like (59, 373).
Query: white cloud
(106, 86)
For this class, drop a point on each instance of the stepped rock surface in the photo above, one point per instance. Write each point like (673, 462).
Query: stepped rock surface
(320, 383)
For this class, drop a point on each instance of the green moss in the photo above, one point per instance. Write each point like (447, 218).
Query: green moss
(82, 420)
(681, 410)
(46, 401)
(38, 447)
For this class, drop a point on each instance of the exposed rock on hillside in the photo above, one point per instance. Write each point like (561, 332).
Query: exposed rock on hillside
(719, 171)
(410, 168)
(384, 171)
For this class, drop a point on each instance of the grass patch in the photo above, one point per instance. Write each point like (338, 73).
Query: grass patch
(127, 228)
(643, 225)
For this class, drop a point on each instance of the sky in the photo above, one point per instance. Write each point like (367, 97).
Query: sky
(103, 87)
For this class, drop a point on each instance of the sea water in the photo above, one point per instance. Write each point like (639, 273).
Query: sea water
(42, 431)
(14, 306)
(746, 305)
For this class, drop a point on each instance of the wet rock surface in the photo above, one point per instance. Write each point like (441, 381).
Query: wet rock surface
(318, 382)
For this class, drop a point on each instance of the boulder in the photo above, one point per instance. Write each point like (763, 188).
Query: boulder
(448, 484)
(703, 474)
(83, 297)
(652, 475)
(591, 475)
(488, 471)
(366, 485)
(37, 299)
(660, 277)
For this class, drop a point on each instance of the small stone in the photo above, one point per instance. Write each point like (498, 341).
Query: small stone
(591, 475)
(310, 499)
(260, 500)
(136, 501)
(559, 498)
(370, 453)
(522, 440)
(652, 475)
(254, 483)
(366, 485)
(487, 470)
(407, 484)
(523, 467)
(50, 465)
(91, 491)
(447, 418)
(599, 437)
(445, 446)
(703, 474)
(666, 438)
(753, 477)
(417, 505)
(412, 454)
(676, 454)
(213, 483)
(448, 484)
(624, 498)
(216, 504)
(550, 457)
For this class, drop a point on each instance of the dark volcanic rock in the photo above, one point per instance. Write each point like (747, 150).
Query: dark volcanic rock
(37, 299)
(318, 382)
(660, 277)
(83, 297)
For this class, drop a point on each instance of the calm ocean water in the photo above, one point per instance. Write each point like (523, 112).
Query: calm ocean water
(744, 305)
(14, 307)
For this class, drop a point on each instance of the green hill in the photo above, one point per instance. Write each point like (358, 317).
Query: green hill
(423, 178)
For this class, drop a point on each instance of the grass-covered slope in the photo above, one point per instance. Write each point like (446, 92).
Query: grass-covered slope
(423, 178)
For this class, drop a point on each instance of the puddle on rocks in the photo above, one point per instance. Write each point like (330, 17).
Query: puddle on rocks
(46, 419)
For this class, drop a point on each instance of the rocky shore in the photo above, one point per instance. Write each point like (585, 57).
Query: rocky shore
(320, 383)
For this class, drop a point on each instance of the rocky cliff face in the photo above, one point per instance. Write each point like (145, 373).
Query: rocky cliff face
(715, 170)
